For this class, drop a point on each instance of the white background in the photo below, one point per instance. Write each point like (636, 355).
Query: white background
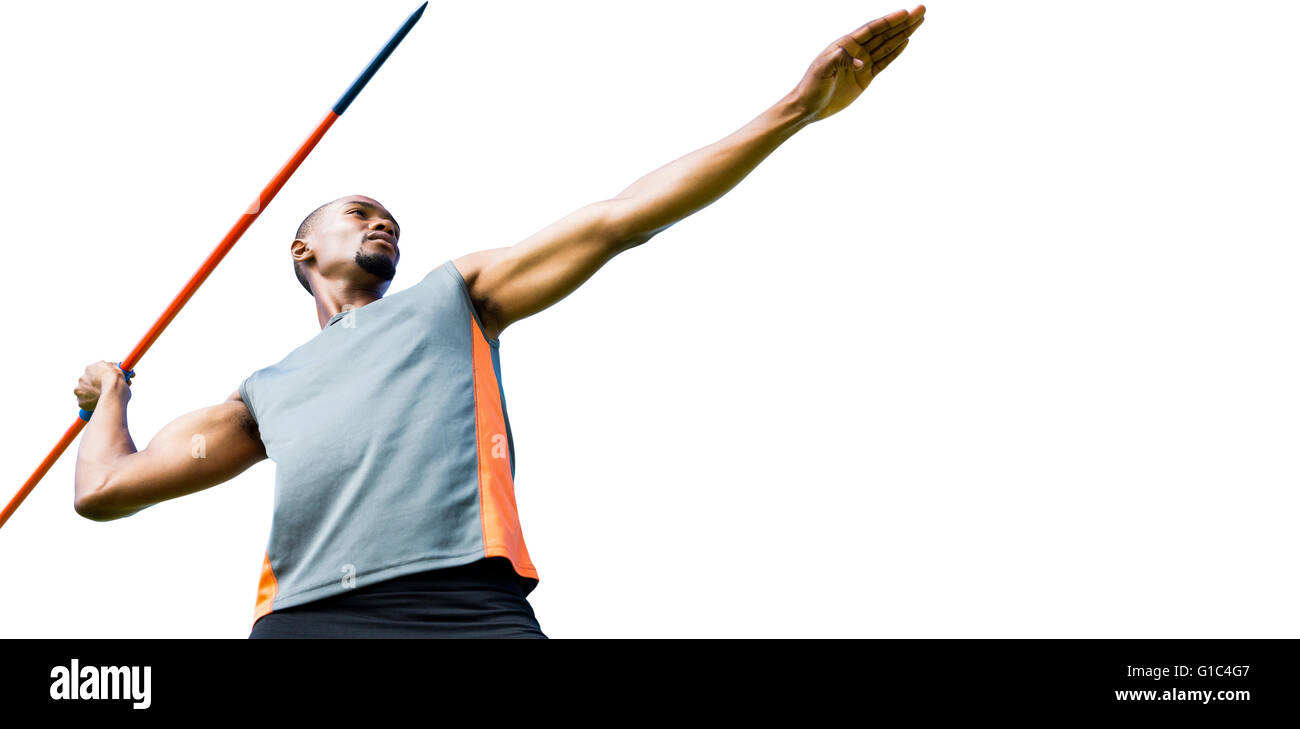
(1007, 348)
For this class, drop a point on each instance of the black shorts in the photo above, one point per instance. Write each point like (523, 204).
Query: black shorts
(483, 599)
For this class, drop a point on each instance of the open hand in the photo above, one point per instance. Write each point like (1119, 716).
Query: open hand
(842, 72)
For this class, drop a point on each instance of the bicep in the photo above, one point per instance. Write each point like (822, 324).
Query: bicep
(196, 451)
(509, 284)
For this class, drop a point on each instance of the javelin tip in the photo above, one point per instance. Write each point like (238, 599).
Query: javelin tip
(351, 93)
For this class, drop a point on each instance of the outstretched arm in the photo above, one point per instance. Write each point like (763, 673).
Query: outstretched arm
(508, 284)
(834, 80)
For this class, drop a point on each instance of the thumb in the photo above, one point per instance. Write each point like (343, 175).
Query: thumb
(844, 59)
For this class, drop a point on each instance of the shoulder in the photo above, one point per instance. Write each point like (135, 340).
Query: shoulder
(472, 267)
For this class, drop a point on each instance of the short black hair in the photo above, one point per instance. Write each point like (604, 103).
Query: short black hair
(308, 225)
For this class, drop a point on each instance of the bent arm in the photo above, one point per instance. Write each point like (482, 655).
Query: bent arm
(194, 452)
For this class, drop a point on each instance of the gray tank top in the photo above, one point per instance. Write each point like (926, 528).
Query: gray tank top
(392, 448)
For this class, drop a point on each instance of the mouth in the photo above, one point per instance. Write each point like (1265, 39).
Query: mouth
(384, 238)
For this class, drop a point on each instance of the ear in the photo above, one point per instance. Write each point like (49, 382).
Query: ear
(300, 250)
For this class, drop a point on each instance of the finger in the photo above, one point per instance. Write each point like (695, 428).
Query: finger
(888, 24)
(880, 65)
(903, 30)
(879, 25)
(889, 47)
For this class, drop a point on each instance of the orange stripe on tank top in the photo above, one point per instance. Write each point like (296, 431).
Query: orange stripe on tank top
(502, 535)
(266, 589)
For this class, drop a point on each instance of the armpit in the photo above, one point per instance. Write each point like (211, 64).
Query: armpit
(245, 418)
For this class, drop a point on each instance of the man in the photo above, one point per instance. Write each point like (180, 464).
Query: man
(395, 512)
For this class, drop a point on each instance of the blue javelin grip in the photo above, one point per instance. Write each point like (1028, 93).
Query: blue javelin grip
(85, 414)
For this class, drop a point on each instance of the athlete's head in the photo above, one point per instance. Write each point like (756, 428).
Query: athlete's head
(346, 240)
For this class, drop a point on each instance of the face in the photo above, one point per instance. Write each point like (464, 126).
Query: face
(355, 241)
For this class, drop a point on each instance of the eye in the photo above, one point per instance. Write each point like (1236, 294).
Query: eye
(358, 211)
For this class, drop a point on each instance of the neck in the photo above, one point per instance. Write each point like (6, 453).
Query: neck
(335, 296)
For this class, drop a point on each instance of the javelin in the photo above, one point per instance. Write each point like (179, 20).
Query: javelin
(245, 220)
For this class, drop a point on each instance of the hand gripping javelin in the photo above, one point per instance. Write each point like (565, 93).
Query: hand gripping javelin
(255, 209)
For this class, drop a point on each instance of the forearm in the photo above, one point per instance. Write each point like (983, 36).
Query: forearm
(691, 183)
(104, 440)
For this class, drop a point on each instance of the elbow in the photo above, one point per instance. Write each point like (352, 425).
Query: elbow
(98, 514)
(624, 229)
(632, 240)
(88, 484)
(90, 505)
(85, 508)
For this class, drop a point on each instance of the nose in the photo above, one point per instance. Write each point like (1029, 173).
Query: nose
(385, 226)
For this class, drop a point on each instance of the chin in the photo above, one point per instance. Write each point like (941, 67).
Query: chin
(377, 265)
